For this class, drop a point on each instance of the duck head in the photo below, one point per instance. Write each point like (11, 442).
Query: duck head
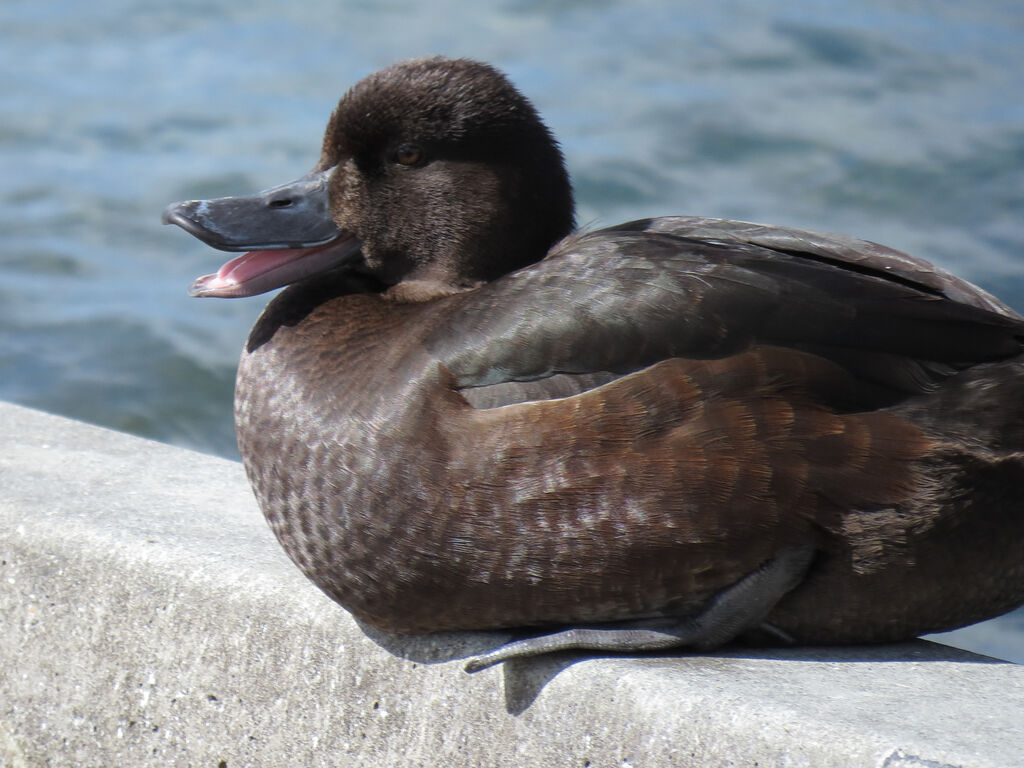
(435, 176)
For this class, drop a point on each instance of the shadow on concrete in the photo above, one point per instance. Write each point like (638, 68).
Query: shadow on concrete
(439, 647)
(912, 650)
(524, 679)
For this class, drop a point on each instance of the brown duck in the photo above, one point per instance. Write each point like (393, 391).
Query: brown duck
(674, 432)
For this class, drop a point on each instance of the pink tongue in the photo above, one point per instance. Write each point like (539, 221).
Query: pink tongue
(260, 271)
(255, 263)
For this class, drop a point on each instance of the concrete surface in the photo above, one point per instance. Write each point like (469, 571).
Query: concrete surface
(147, 618)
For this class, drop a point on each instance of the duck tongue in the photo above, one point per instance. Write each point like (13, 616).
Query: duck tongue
(286, 231)
(257, 272)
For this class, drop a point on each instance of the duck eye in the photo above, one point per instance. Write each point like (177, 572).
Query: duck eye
(408, 154)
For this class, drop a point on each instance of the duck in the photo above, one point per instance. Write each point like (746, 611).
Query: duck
(464, 413)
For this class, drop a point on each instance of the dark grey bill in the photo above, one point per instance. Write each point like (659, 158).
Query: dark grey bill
(293, 215)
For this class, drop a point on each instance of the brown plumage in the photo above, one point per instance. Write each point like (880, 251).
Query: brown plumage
(462, 420)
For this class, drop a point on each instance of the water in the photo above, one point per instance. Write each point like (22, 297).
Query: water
(897, 121)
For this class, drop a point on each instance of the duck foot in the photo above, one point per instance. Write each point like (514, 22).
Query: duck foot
(733, 611)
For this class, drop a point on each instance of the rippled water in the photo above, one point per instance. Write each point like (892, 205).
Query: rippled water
(897, 121)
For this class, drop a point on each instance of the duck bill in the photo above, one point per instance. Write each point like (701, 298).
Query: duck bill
(286, 234)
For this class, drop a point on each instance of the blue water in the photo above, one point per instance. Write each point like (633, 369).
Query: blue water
(897, 121)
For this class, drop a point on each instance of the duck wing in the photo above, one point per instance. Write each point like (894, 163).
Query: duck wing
(608, 303)
(661, 408)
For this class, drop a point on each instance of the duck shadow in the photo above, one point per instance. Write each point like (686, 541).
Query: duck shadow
(525, 679)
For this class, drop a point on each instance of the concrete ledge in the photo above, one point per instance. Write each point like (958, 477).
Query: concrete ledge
(149, 619)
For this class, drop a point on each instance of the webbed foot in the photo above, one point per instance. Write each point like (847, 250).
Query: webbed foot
(734, 610)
